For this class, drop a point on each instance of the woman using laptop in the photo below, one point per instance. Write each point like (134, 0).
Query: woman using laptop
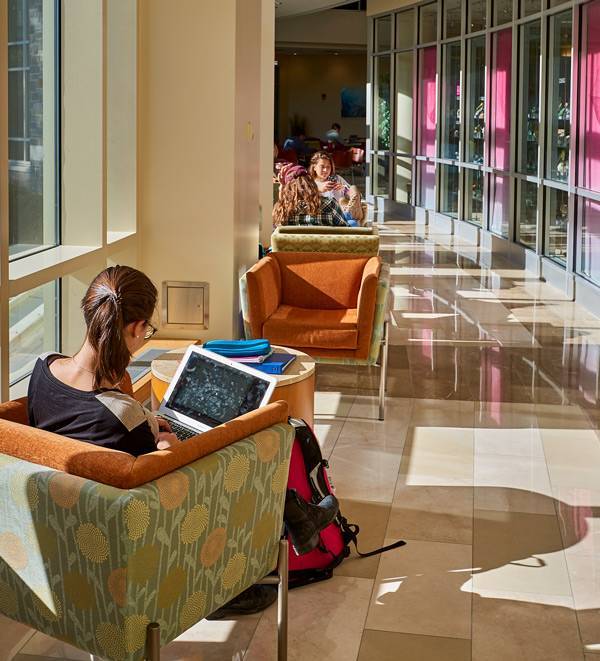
(78, 396)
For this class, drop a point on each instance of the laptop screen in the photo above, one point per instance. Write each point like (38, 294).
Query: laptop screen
(212, 393)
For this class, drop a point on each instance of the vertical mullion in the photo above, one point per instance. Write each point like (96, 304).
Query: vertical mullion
(543, 128)
(514, 125)
(393, 94)
(573, 144)
(4, 235)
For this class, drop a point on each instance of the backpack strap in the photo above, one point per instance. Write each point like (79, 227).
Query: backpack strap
(350, 533)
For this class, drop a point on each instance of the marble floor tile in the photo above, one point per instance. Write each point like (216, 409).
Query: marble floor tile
(505, 415)
(573, 457)
(508, 629)
(438, 456)
(219, 640)
(13, 635)
(512, 483)
(432, 513)
(388, 646)
(372, 519)
(330, 404)
(519, 553)
(561, 417)
(365, 473)
(436, 413)
(327, 623)
(327, 432)
(41, 645)
(418, 590)
(524, 442)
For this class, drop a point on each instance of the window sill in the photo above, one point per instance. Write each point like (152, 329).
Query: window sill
(114, 236)
(35, 270)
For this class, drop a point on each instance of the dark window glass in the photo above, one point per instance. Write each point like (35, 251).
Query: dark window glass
(404, 180)
(428, 23)
(502, 11)
(476, 15)
(528, 7)
(557, 221)
(559, 106)
(475, 126)
(381, 176)
(382, 102)
(528, 212)
(529, 103)
(590, 240)
(452, 18)
(451, 101)
(405, 29)
(383, 33)
(474, 196)
(449, 187)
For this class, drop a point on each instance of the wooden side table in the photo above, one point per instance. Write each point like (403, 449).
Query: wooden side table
(296, 386)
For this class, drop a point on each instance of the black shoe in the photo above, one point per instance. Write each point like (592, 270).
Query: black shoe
(252, 600)
(305, 521)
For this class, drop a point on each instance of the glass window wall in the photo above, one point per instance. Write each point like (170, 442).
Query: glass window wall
(451, 101)
(591, 97)
(381, 176)
(33, 321)
(404, 102)
(452, 10)
(382, 102)
(427, 101)
(529, 102)
(501, 99)
(404, 181)
(33, 221)
(528, 214)
(475, 121)
(449, 190)
(427, 185)
(557, 217)
(500, 211)
(476, 15)
(405, 29)
(474, 196)
(503, 11)
(383, 33)
(528, 7)
(428, 23)
(559, 104)
(589, 259)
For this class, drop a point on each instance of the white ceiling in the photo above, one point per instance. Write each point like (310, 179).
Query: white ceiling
(297, 7)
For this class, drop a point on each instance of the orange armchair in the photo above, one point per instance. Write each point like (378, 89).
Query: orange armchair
(332, 306)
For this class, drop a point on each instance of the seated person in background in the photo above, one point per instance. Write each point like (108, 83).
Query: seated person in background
(79, 397)
(296, 142)
(332, 185)
(300, 203)
(334, 135)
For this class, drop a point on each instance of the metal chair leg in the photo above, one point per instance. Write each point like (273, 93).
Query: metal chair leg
(153, 642)
(383, 369)
(281, 580)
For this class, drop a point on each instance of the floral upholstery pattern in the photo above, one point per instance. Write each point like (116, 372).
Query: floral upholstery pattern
(359, 244)
(92, 565)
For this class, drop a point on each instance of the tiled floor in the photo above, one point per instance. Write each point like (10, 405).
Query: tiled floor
(488, 463)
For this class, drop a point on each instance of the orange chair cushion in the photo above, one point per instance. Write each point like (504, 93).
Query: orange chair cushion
(320, 281)
(327, 329)
(115, 468)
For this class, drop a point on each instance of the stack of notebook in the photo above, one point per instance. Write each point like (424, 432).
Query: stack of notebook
(257, 354)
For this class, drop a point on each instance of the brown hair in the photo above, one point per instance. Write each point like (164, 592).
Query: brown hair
(116, 297)
(300, 194)
(320, 156)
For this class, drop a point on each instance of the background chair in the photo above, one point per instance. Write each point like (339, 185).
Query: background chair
(342, 160)
(118, 555)
(358, 161)
(334, 307)
(325, 239)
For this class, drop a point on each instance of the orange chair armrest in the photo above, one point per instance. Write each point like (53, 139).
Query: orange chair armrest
(264, 293)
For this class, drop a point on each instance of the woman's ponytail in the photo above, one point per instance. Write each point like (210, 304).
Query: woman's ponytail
(117, 296)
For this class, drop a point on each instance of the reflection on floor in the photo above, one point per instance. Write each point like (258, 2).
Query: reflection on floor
(488, 464)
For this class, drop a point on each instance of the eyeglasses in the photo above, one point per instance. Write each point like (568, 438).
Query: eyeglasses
(149, 331)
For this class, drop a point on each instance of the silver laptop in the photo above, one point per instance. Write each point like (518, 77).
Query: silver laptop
(208, 390)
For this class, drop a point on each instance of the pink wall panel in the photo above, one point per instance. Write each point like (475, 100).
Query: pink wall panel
(591, 164)
(428, 119)
(501, 99)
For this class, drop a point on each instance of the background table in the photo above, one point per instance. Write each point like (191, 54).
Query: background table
(296, 386)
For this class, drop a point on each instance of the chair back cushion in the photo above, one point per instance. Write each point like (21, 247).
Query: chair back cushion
(115, 468)
(320, 281)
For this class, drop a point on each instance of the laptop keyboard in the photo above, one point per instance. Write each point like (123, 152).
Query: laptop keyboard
(181, 431)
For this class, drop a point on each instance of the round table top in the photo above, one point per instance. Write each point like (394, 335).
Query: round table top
(165, 366)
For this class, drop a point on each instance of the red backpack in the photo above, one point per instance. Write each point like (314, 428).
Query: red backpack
(309, 477)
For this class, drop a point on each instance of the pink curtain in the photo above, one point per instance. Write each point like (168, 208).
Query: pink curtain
(501, 99)
(591, 240)
(591, 175)
(428, 117)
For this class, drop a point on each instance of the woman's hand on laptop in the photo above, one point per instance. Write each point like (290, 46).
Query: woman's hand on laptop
(166, 440)
(163, 425)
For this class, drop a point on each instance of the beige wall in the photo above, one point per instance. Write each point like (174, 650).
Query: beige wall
(302, 81)
(199, 133)
(378, 6)
(343, 28)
